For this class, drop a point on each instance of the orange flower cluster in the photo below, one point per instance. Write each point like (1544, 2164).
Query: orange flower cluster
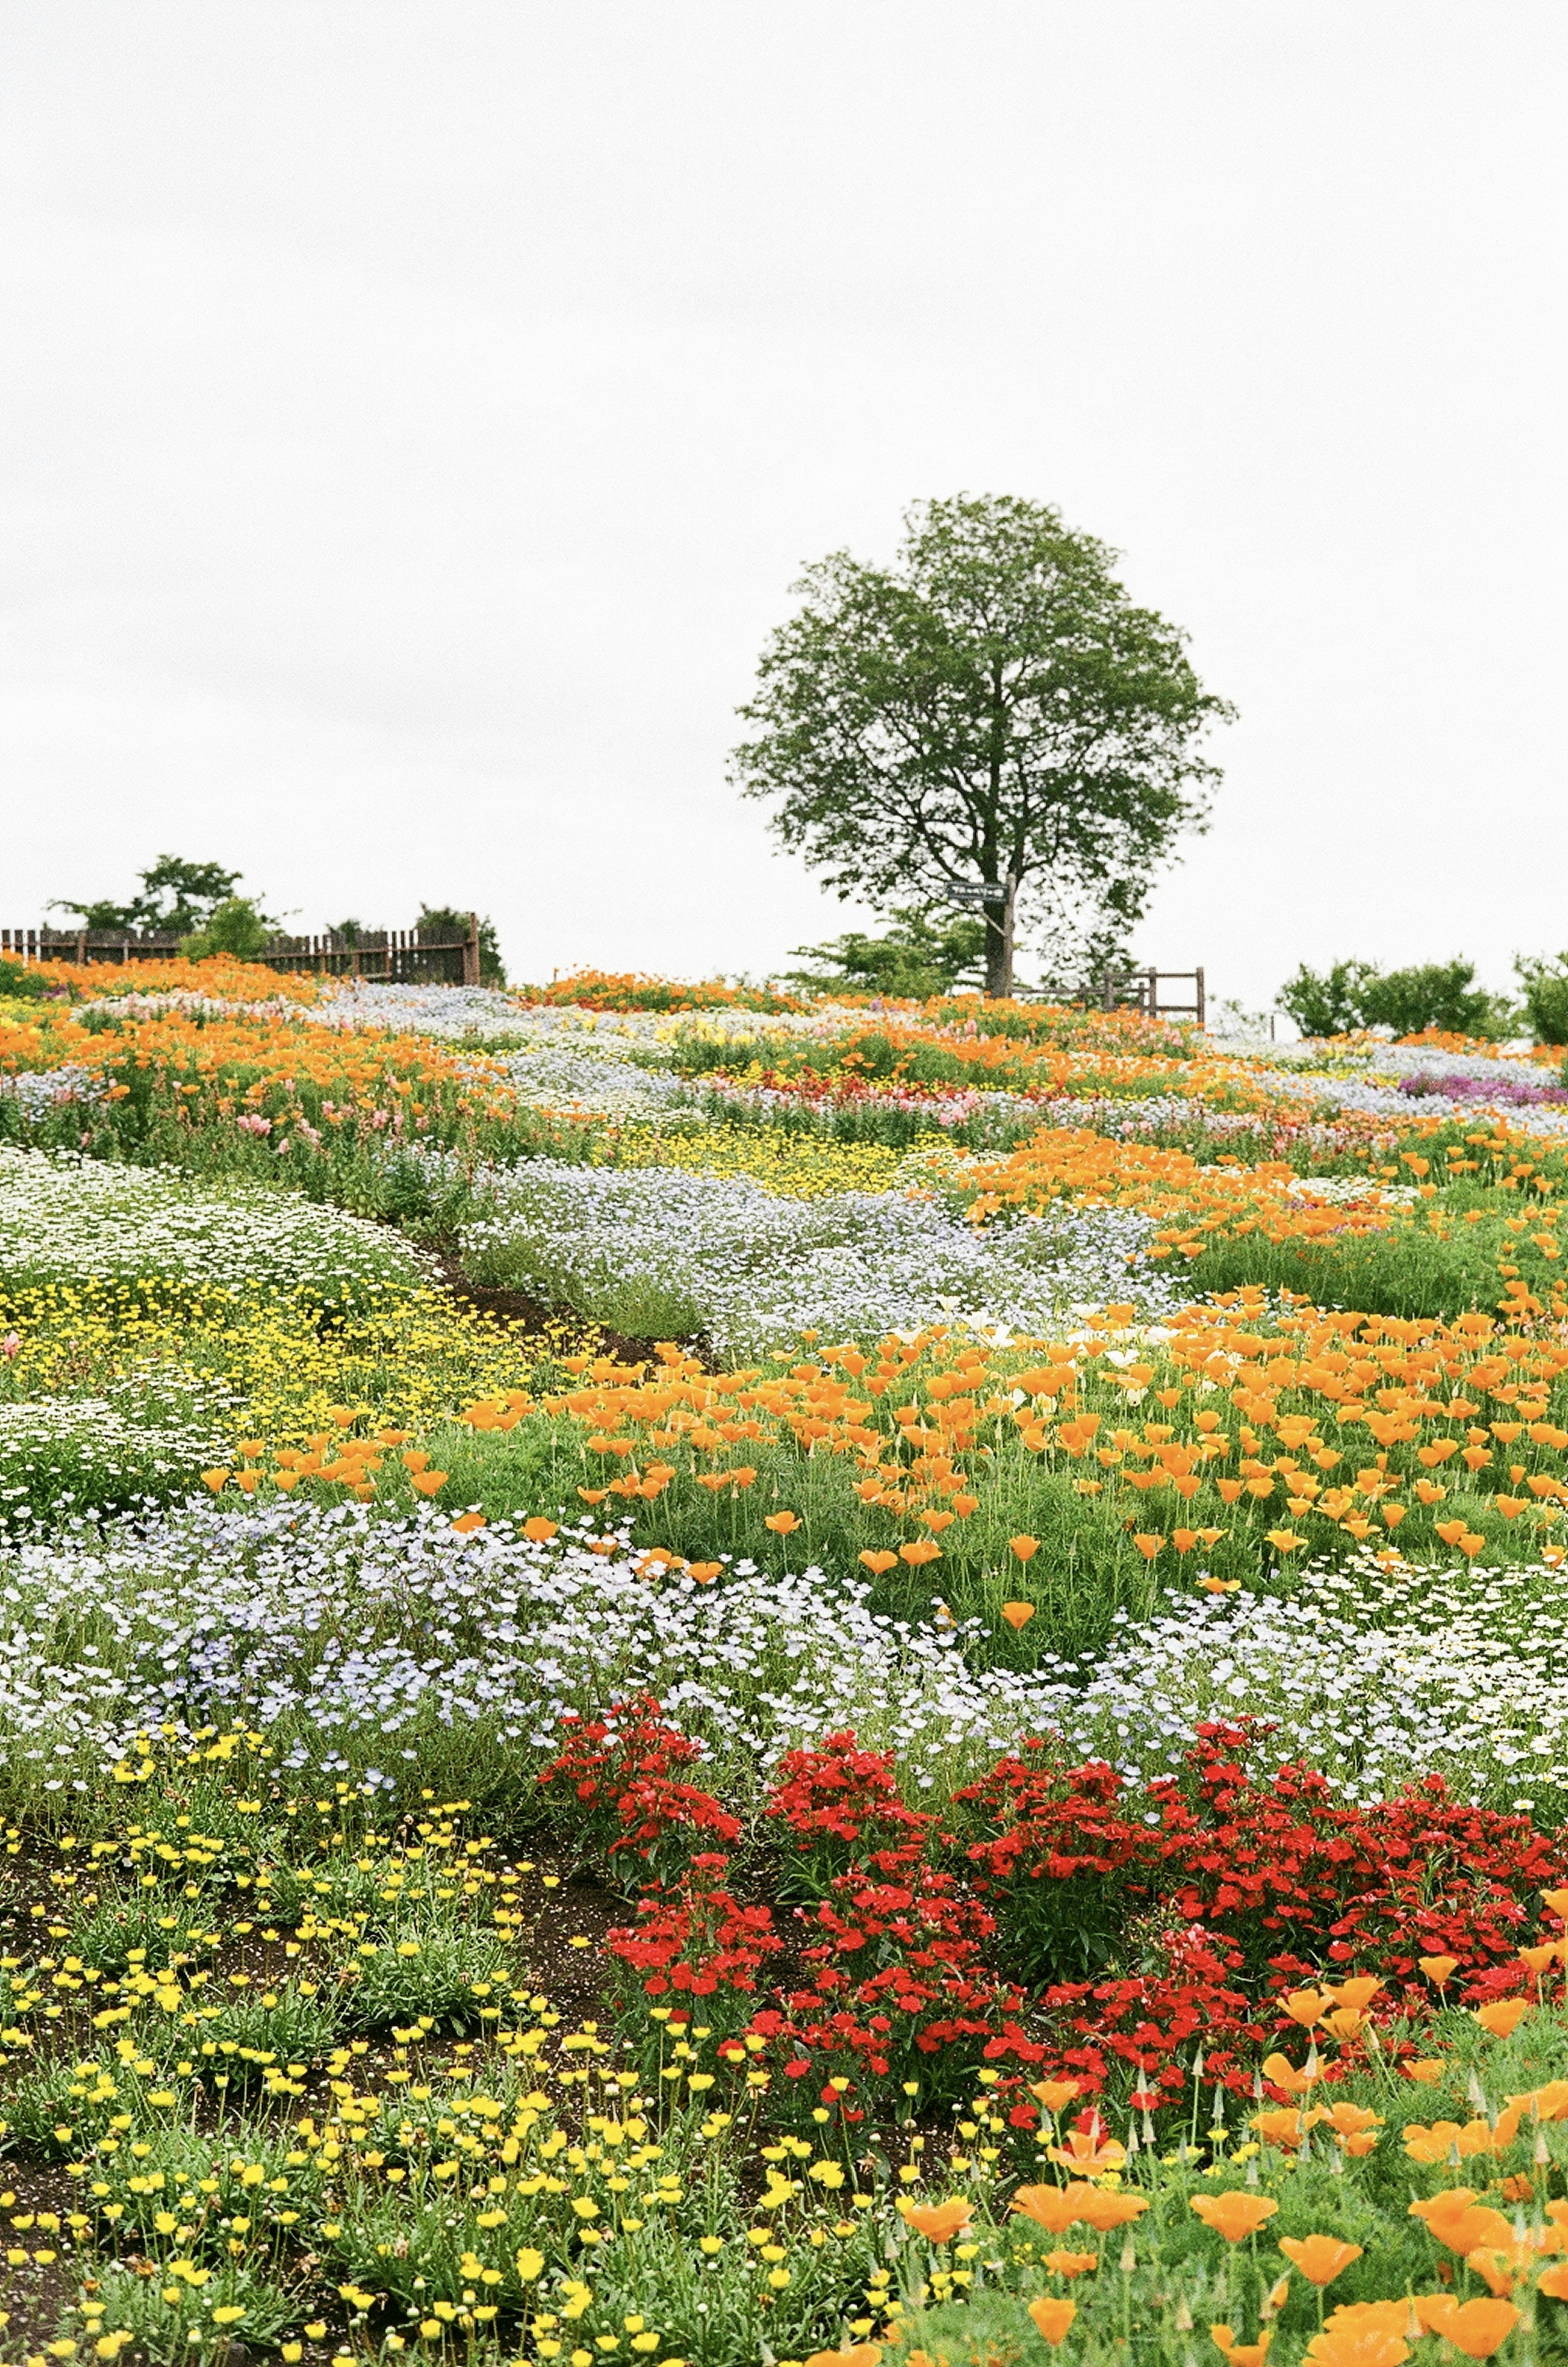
(231, 1066)
(1193, 1201)
(222, 976)
(1349, 1424)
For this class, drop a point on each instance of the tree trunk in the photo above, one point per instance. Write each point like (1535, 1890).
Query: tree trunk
(998, 940)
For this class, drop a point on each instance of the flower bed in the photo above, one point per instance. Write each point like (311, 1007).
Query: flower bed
(990, 1775)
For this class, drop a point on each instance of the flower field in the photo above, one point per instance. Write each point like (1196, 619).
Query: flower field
(707, 1676)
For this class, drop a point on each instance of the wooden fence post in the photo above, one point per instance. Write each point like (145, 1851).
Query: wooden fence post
(472, 952)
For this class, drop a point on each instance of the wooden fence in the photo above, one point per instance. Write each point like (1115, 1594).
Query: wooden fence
(1141, 987)
(401, 955)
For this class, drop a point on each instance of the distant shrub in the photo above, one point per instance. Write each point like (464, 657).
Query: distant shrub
(1545, 984)
(1443, 995)
(234, 927)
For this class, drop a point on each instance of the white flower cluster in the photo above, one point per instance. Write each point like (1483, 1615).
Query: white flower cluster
(444, 1011)
(662, 1252)
(37, 1092)
(66, 1219)
(362, 1644)
(592, 1078)
(79, 1452)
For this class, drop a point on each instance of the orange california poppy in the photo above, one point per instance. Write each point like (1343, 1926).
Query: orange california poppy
(1090, 2153)
(1358, 2346)
(1320, 2258)
(1024, 1548)
(1053, 2315)
(1477, 2327)
(1018, 1614)
(1100, 2210)
(938, 2222)
(1502, 2020)
(1234, 2215)
(1241, 2354)
(1049, 2207)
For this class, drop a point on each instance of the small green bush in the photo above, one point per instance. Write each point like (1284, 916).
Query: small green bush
(234, 927)
(1545, 984)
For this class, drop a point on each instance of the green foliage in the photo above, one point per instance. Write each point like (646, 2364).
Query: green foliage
(1431, 1266)
(234, 926)
(21, 983)
(992, 703)
(1329, 1004)
(446, 921)
(1435, 994)
(1545, 984)
(176, 896)
(928, 952)
(1352, 994)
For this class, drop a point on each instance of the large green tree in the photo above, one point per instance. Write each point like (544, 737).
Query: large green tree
(176, 895)
(989, 722)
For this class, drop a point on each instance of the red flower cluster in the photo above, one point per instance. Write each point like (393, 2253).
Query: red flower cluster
(1231, 1887)
(900, 1991)
(1055, 1866)
(695, 1943)
(618, 1774)
(842, 1806)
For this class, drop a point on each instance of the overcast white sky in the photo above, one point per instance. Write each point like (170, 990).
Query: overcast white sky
(413, 417)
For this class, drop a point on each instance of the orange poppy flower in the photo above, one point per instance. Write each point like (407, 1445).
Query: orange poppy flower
(466, 1522)
(1053, 2315)
(1352, 2119)
(1503, 2018)
(1358, 2346)
(1055, 2093)
(1279, 2073)
(1234, 2215)
(878, 1562)
(1049, 2207)
(1477, 2327)
(1017, 1615)
(938, 2222)
(1460, 2223)
(781, 1522)
(1320, 2258)
(1025, 1547)
(923, 1549)
(1439, 1969)
(1099, 2209)
(540, 1531)
(1090, 2153)
(1241, 2354)
(1072, 2264)
(1361, 1992)
(858, 2354)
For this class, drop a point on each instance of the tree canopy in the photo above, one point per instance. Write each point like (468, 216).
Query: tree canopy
(176, 896)
(992, 708)
(924, 953)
